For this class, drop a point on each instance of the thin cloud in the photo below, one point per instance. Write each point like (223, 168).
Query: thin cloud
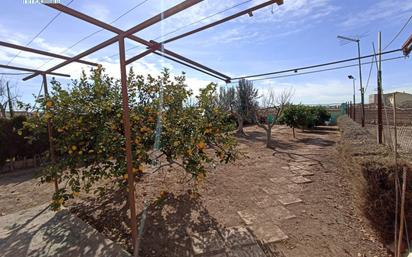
(383, 10)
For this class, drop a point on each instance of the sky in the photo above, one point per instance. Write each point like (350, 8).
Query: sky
(295, 34)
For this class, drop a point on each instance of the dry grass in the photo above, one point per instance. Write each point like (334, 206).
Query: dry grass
(372, 169)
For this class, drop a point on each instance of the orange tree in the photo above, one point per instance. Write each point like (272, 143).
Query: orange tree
(166, 130)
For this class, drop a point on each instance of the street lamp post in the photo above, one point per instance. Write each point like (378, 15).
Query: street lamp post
(354, 100)
(360, 76)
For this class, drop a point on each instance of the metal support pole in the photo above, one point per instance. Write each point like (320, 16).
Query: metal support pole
(127, 134)
(354, 101)
(9, 101)
(395, 144)
(350, 110)
(380, 122)
(50, 131)
(402, 214)
(361, 86)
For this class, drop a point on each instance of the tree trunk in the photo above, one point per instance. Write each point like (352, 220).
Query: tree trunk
(240, 126)
(268, 136)
(2, 111)
(293, 130)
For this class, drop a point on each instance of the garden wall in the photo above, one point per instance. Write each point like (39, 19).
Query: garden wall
(371, 169)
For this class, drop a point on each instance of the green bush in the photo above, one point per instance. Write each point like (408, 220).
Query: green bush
(18, 143)
(303, 116)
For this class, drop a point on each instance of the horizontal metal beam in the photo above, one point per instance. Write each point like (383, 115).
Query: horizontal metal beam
(32, 70)
(75, 58)
(139, 56)
(407, 46)
(37, 51)
(152, 45)
(191, 66)
(231, 17)
(143, 25)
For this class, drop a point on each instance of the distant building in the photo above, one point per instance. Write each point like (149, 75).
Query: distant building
(402, 99)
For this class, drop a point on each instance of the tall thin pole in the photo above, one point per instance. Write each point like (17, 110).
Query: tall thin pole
(50, 131)
(402, 214)
(354, 101)
(380, 123)
(10, 102)
(361, 86)
(395, 146)
(127, 134)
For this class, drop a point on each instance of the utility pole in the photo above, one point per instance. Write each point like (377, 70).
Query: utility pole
(380, 123)
(10, 102)
(354, 93)
(361, 86)
(357, 40)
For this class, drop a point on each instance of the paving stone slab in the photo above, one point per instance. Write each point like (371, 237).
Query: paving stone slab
(247, 251)
(265, 201)
(300, 180)
(268, 233)
(217, 255)
(205, 242)
(278, 213)
(247, 216)
(40, 232)
(287, 199)
(237, 236)
(280, 180)
(305, 173)
(275, 190)
(292, 188)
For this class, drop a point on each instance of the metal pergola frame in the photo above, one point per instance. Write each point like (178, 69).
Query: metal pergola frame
(44, 77)
(157, 48)
(407, 46)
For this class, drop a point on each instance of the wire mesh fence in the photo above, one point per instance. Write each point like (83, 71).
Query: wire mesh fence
(396, 125)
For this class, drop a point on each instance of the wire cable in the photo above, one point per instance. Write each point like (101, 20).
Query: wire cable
(324, 70)
(95, 32)
(400, 31)
(12, 74)
(370, 72)
(39, 33)
(314, 66)
(192, 23)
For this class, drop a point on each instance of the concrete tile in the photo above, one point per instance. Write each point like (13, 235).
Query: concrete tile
(280, 180)
(208, 241)
(247, 251)
(237, 236)
(268, 233)
(305, 173)
(292, 188)
(287, 199)
(300, 180)
(278, 213)
(265, 201)
(247, 216)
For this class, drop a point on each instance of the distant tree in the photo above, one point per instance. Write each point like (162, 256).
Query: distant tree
(7, 98)
(304, 117)
(241, 102)
(274, 106)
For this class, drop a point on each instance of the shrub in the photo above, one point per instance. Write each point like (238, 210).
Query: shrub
(304, 117)
(18, 143)
(165, 130)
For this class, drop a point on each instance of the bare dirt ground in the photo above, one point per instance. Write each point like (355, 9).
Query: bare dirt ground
(292, 199)
(21, 190)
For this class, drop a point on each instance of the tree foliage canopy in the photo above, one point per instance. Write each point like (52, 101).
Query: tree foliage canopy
(89, 139)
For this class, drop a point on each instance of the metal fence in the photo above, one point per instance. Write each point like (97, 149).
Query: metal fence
(397, 125)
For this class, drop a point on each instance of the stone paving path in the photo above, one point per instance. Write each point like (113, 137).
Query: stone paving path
(40, 232)
(261, 224)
